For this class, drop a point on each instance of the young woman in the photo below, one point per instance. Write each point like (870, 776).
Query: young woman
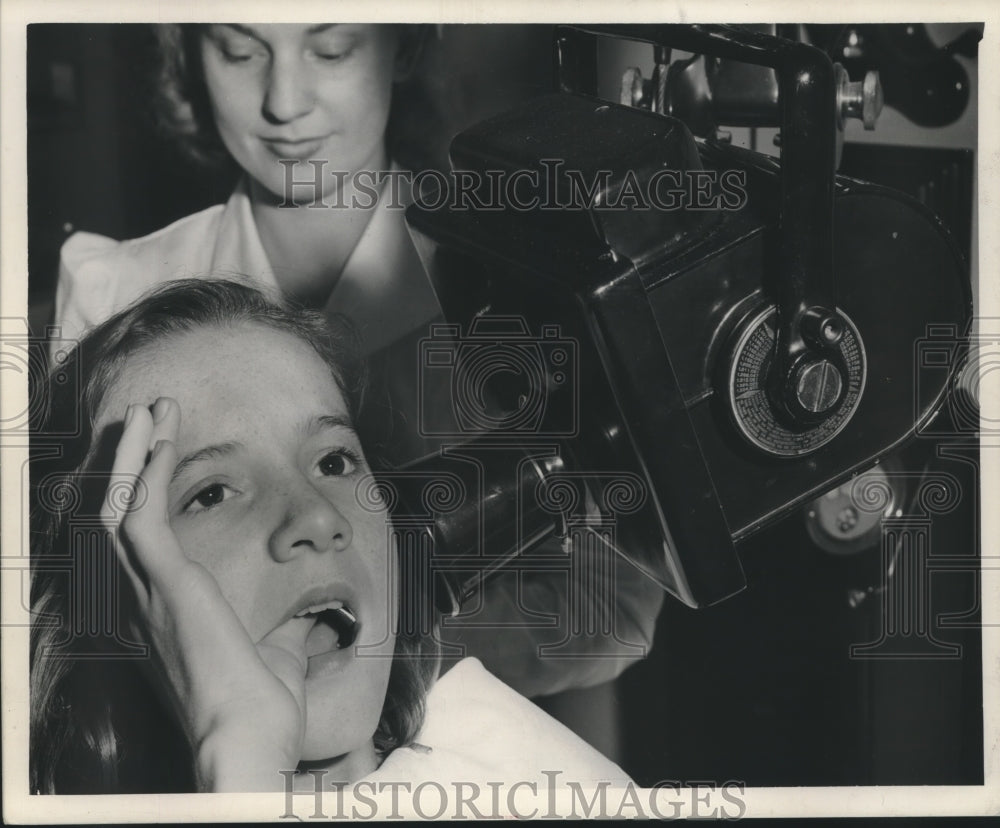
(318, 104)
(237, 536)
(319, 99)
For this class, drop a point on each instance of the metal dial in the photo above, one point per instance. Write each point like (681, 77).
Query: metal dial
(748, 399)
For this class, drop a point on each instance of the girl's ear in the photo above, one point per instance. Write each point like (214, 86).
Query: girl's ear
(411, 45)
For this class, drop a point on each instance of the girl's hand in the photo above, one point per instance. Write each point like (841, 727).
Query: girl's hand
(242, 705)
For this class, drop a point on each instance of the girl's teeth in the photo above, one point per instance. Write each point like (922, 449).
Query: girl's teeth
(317, 608)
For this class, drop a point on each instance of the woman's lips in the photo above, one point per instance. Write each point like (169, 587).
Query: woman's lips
(298, 150)
(333, 594)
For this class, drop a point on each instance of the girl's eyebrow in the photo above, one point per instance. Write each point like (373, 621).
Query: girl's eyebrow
(313, 427)
(325, 421)
(207, 453)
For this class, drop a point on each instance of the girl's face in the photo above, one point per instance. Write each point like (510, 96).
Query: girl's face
(263, 497)
(289, 91)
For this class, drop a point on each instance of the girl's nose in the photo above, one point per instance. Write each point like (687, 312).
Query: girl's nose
(310, 523)
(289, 93)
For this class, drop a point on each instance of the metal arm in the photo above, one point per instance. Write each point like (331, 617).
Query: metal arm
(804, 287)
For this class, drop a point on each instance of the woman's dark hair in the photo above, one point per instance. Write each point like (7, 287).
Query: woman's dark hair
(96, 723)
(415, 133)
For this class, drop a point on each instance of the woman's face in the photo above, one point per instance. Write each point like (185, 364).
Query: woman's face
(264, 498)
(290, 91)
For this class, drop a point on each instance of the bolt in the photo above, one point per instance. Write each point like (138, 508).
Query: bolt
(862, 99)
(818, 385)
(832, 332)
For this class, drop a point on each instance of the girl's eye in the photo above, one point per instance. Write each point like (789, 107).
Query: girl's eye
(209, 497)
(339, 463)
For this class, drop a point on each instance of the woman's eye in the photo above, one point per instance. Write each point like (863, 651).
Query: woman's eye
(237, 50)
(339, 463)
(332, 46)
(238, 56)
(208, 498)
(332, 55)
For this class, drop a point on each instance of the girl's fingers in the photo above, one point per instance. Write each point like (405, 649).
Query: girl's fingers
(139, 586)
(130, 457)
(143, 428)
(290, 639)
(124, 488)
(166, 415)
(145, 470)
(283, 651)
(147, 526)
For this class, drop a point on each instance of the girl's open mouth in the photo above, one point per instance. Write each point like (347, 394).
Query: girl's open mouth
(335, 627)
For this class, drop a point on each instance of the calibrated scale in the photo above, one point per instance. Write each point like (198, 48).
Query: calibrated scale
(819, 387)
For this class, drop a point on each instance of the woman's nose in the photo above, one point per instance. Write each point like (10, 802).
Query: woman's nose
(309, 522)
(289, 93)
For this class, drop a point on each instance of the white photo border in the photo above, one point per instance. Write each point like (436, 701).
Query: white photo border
(20, 807)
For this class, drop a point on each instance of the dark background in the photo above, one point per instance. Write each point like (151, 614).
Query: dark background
(760, 688)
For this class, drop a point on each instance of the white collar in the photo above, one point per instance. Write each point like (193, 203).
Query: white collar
(384, 263)
(238, 246)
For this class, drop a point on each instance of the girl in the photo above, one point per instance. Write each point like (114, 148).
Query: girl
(249, 558)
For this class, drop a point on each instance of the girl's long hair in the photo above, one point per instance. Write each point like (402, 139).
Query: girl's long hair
(97, 726)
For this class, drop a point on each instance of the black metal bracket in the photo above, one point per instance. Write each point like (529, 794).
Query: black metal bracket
(805, 291)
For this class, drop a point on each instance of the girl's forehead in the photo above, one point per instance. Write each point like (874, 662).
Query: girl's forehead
(249, 366)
